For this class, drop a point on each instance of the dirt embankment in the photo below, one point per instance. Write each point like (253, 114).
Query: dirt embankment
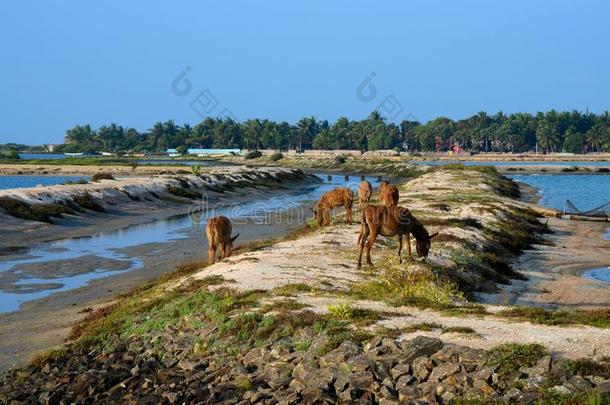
(25, 209)
(89, 170)
(297, 321)
(410, 167)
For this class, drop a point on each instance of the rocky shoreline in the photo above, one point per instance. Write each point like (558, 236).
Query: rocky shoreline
(382, 371)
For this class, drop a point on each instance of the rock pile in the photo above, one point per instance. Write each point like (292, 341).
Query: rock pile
(382, 371)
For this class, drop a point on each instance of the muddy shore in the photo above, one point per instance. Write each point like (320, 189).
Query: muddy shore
(554, 270)
(44, 323)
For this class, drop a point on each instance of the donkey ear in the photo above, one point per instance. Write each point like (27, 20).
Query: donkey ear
(433, 235)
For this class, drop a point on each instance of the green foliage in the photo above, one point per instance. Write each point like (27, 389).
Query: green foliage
(339, 160)
(397, 287)
(276, 156)
(36, 212)
(102, 176)
(458, 329)
(599, 318)
(572, 131)
(196, 169)
(586, 366)
(512, 356)
(341, 311)
(184, 192)
(422, 326)
(10, 154)
(253, 154)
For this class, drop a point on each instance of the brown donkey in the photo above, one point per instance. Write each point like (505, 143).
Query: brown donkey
(388, 194)
(365, 190)
(218, 231)
(391, 221)
(339, 197)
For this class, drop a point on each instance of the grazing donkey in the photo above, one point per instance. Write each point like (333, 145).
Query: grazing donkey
(339, 197)
(388, 194)
(391, 221)
(218, 231)
(365, 190)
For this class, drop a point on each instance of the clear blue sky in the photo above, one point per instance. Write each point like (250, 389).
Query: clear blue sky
(75, 62)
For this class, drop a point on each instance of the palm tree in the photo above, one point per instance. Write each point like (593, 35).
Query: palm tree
(252, 133)
(596, 137)
(547, 137)
(306, 131)
(79, 135)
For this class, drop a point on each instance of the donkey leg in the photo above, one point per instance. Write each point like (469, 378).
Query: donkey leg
(348, 214)
(211, 253)
(369, 245)
(364, 233)
(399, 248)
(327, 212)
(409, 246)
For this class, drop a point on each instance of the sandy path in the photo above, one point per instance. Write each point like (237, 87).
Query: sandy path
(326, 259)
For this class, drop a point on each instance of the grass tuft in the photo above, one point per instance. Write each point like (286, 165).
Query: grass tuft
(512, 356)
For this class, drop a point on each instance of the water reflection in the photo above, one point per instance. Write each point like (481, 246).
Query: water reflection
(21, 280)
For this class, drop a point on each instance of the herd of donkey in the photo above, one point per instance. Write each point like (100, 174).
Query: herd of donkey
(388, 219)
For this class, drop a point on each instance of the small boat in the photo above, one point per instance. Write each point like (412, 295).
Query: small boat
(73, 154)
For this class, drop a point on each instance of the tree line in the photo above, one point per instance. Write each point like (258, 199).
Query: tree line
(552, 131)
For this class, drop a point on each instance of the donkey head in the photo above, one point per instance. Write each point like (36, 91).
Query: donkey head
(422, 246)
(318, 211)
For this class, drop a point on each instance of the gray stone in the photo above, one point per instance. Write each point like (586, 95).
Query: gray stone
(345, 351)
(443, 371)
(486, 373)
(578, 383)
(278, 374)
(542, 367)
(561, 390)
(399, 370)
(360, 363)
(512, 395)
(404, 380)
(321, 380)
(421, 368)
(603, 387)
(408, 394)
(485, 389)
(386, 401)
(533, 383)
(389, 393)
(391, 345)
(382, 371)
(419, 346)
(448, 397)
(373, 343)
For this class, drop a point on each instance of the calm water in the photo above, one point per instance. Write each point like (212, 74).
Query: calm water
(33, 181)
(21, 281)
(512, 163)
(42, 156)
(586, 191)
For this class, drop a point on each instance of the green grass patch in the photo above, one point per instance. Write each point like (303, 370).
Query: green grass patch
(289, 290)
(184, 192)
(285, 305)
(512, 356)
(458, 329)
(35, 212)
(599, 318)
(422, 326)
